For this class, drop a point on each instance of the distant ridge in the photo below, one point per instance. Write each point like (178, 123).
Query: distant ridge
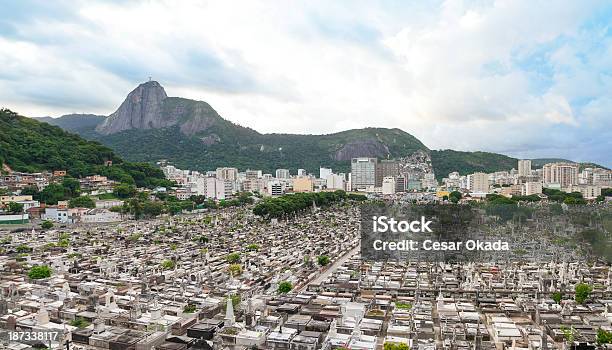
(149, 126)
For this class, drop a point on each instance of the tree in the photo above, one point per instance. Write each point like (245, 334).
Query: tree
(454, 196)
(285, 287)
(46, 224)
(53, 193)
(15, 208)
(39, 272)
(152, 209)
(583, 291)
(124, 191)
(233, 258)
(71, 186)
(30, 191)
(323, 260)
(82, 202)
(557, 297)
(604, 337)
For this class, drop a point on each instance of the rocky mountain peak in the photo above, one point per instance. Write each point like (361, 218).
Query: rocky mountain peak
(141, 109)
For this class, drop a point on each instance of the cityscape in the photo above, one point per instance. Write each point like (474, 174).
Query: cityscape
(306, 175)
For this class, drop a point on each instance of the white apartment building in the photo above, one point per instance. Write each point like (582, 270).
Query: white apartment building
(388, 185)
(324, 173)
(282, 174)
(524, 167)
(478, 183)
(563, 174)
(530, 188)
(335, 182)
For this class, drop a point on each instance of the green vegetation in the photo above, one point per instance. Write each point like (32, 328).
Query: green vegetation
(233, 258)
(39, 272)
(236, 299)
(583, 291)
(563, 197)
(189, 309)
(403, 306)
(46, 224)
(285, 287)
(447, 161)
(323, 260)
(604, 337)
(292, 203)
(22, 248)
(235, 269)
(454, 196)
(82, 202)
(569, 333)
(168, 264)
(14, 208)
(506, 208)
(557, 297)
(253, 247)
(396, 346)
(224, 143)
(79, 322)
(31, 146)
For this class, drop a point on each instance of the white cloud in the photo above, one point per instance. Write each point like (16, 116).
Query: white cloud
(450, 73)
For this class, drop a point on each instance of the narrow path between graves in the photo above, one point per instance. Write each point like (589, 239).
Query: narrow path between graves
(331, 269)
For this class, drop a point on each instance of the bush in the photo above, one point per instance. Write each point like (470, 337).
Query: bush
(583, 291)
(46, 224)
(79, 322)
(285, 287)
(323, 260)
(253, 247)
(189, 309)
(39, 272)
(233, 258)
(235, 269)
(82, 202)
(168, 264)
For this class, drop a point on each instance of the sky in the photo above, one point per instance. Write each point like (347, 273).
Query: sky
(526, 78)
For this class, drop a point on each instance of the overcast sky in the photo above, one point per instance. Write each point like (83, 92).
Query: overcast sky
(524, 78)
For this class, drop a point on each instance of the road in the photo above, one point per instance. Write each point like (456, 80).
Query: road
(332, 268)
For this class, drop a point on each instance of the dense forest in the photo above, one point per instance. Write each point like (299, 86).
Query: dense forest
(31, 146)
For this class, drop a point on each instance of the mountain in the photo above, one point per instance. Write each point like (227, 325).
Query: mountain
(29, 145)
(539, 162)
(149, 126)
(446, 161)
(76, 123)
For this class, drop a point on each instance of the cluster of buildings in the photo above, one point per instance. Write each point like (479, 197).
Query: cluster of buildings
(14, 183)
(526, 181)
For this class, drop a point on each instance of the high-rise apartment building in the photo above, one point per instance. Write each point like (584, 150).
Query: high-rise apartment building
(282, 174)
(363, 172)
(524, 167)
(564, 174)
(227, 174)
(324, 173)
(478, 183)
(386, 168)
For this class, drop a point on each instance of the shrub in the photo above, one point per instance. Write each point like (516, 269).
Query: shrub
(39, 272)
